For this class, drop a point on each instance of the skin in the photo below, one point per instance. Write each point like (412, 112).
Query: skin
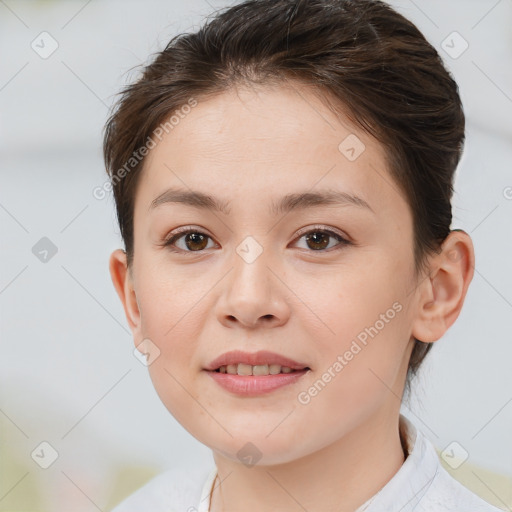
(250, 147)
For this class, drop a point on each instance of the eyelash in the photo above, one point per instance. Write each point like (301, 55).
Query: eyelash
(169, 243)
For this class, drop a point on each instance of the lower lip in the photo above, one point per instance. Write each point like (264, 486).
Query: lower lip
(253, 385)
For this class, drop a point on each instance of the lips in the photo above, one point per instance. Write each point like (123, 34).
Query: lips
(254, 359)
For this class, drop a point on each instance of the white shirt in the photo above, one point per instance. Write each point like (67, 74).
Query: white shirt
(420, 485)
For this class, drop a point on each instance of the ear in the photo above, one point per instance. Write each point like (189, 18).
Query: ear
(442, 293)
(123, 283)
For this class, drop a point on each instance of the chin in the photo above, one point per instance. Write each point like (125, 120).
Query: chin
(256, 449)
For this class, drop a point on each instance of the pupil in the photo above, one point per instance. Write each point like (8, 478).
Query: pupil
(195, 238)
(314, 238)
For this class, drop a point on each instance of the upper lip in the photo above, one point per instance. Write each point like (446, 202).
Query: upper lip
(254, 359)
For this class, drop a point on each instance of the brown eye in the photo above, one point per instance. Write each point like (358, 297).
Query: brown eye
(196, 241)
(318, 240)
(193, 241)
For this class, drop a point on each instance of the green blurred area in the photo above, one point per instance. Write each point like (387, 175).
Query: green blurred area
(22, 483)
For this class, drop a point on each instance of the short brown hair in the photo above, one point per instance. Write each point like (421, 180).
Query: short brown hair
(360, 56)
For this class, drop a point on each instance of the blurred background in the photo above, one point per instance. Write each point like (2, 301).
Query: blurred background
(80, 424)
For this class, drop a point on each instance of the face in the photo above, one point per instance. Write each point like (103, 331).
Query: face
(326, 283)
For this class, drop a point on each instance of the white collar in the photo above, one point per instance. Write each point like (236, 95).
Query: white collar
(410, 483)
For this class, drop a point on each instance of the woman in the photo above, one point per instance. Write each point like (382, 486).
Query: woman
(283, 180)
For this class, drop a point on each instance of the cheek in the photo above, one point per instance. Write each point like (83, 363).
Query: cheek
(362, 318)
(168, 298)
(356, 374)
(175, 305)
(349, 299)
(171, 317)
(173, 386)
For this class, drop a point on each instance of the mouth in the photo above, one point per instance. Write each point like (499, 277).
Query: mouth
(257, 370)
(238, 362)
(253, 374)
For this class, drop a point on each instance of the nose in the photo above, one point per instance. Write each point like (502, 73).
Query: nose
(254, 294)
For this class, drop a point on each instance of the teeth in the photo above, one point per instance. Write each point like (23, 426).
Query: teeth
(231, 369)
(247, 369)
(274, 369)
(260, 369)
(244, 369)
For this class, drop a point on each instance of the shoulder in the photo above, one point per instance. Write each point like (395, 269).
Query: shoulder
(422, 484)
(446, 494)
(173, 490)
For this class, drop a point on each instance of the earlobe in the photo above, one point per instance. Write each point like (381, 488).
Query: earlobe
(443, 292)
(123, 284)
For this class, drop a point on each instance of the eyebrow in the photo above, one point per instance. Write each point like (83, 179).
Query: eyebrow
(288, 203)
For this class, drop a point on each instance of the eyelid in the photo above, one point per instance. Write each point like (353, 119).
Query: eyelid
(184, 230)
(321, 227)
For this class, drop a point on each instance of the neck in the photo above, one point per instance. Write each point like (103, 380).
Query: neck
(342, 476)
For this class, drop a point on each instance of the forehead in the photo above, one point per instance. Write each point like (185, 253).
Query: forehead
(261, 142)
